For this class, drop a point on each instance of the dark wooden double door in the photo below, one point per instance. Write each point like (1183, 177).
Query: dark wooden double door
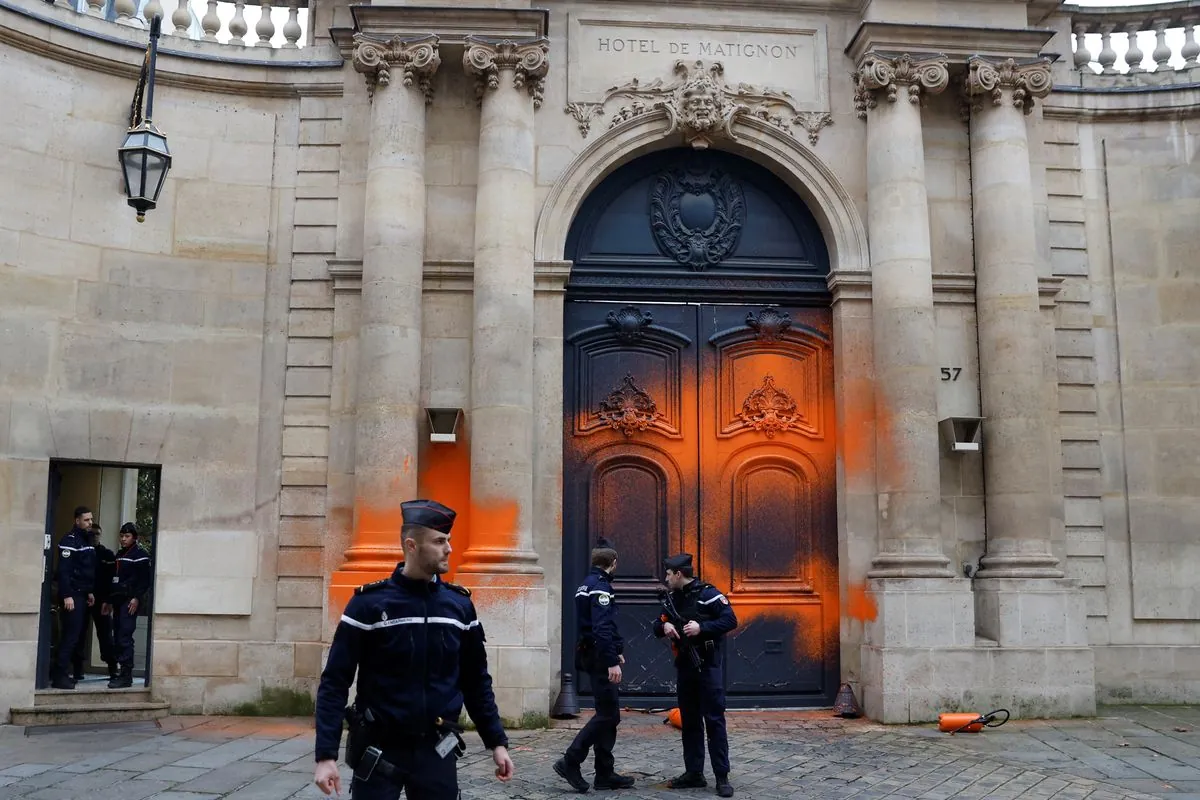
(708, 429)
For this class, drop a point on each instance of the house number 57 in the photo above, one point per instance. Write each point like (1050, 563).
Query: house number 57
(951, 373)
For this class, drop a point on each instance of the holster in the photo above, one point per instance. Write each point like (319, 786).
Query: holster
(358, 735)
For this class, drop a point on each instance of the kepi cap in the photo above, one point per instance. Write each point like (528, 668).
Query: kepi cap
(678, 562)
(428, 513)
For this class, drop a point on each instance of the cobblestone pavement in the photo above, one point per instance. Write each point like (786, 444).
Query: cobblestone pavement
(1126, 752)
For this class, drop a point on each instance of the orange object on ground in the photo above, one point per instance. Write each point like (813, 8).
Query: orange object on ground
(673, 718)
(959, 722)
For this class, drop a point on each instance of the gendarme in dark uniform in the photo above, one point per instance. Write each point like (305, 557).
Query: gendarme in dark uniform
(417, 647)
(76, 575)
(701, 692)
(599, 653)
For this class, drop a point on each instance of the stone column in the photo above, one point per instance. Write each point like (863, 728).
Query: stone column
(387, 410)
(1016, 463)
(905, 349)
(510, 78)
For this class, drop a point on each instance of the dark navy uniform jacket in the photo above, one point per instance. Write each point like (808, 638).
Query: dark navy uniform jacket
(131, 575)
(106, 566)
(596, 610)
(418, 649)
(76, 565)
(706, 605)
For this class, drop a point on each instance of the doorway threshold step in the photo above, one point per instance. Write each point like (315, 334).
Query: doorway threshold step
(113, 709)
(97, 695)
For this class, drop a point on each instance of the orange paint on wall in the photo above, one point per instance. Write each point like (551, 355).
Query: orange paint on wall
(860, 605)
(445, 476)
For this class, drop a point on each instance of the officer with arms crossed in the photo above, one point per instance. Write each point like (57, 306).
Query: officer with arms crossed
(130, 584)
(599, 652)
(706, 616)
(417, 647)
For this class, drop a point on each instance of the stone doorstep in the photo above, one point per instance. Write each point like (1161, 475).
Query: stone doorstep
(88, 714)
(90, 696)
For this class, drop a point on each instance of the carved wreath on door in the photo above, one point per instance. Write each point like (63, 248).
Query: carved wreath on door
(770, 409)
(629, 408)
(697, 215)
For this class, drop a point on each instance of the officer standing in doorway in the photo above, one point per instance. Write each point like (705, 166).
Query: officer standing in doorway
(705, 616)
(417, 647)
(76, 574)
(600, 653)
(130, 583)
(101, 611)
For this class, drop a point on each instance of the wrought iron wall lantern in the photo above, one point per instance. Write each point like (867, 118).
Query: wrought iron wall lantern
(144, 156)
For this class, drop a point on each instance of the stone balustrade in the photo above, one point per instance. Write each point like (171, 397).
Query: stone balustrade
(1136, 40)
(258, 23)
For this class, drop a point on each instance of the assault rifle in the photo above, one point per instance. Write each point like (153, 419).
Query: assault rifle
(673, 617)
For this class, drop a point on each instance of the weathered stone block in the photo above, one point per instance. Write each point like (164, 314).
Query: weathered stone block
(298, 625)
(266, 661)
(299, 561)
(308, 660)
(209, 658)
(299, 592)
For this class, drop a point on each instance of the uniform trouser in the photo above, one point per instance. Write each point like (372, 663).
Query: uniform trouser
(600, 733)
(424, 775)
(104, 634)
(72, 630)
(702, 709)
(124, 624)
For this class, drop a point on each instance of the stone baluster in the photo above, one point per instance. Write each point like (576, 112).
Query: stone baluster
(1083, 56)
(237, 25)
(153, 9)
(1107, 56)
(96, 8)
(291, 29)
(1015, 434)
(1191, 49)
(1134, 55)
(211, 23)
(510, 77)
(1162, 51)
(181, 19)
(908, 455)
(388, 407)
(126, 13)
(265, 27)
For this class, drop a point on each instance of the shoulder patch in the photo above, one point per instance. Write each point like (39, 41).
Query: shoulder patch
(464, 591)
(603, 599)
(372, 586)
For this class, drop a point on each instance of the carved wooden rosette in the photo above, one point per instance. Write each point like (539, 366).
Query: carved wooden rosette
(629, 408)
(417, 59)
(529, 61)
(1025, 81)
(770, 409)
(919, 75)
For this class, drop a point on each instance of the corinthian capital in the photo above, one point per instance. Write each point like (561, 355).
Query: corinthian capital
(417, 60)
(1025, 81)
(528, 60)
(917, 74)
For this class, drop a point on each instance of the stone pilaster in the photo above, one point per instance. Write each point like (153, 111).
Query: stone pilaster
(501, 558)
(888, 95)
(387, 424)
(1006, 297)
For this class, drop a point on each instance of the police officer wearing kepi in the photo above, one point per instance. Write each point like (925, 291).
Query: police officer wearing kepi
(707, 617)
(76, 575)
(599, 651)
(417, 647)
(130, 583)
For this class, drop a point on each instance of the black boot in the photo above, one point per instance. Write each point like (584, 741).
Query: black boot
(570, 773)
(62, 682)
(688, 780)
(79, 675)
(113, 671)
(724, 787)
(124, 678)
(613, 780)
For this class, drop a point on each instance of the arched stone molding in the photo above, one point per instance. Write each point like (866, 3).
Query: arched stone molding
(757, 140)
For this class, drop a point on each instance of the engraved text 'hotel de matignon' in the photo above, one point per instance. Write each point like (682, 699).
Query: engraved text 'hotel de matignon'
(608, 44)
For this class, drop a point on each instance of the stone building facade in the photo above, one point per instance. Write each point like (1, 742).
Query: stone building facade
(740, 278)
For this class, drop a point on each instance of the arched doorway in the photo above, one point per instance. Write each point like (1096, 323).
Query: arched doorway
(699, 416)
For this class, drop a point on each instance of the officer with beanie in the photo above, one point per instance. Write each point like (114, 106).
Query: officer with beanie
(707, 617)
(417, 647)
(598, 652)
